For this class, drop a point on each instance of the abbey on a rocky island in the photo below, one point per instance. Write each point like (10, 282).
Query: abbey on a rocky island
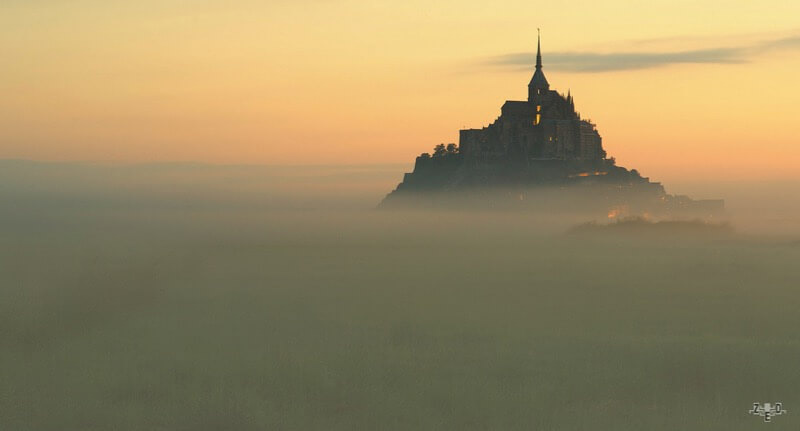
(538, 144)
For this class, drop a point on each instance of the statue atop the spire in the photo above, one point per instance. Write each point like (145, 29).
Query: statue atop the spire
(538, 48)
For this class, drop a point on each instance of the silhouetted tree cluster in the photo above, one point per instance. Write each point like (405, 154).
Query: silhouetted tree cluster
(442, 150)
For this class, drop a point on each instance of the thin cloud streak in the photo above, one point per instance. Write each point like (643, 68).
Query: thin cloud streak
(589, 62)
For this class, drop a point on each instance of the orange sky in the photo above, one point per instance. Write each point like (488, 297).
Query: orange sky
(332, 82)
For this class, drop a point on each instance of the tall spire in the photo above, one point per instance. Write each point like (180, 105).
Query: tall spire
(538, 48)
(538, 86)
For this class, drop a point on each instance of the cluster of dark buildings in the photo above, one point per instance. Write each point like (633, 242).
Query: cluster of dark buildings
(545, 127)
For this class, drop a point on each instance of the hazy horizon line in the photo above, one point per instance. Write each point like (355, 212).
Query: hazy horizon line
(399, 167)
(189, 163)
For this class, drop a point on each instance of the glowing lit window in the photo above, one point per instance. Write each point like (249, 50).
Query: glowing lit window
(538, 108)
(537, 120)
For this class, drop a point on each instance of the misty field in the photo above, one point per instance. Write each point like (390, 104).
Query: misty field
(185, 316)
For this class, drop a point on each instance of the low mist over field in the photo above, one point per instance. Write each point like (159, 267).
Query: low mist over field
(194, 297)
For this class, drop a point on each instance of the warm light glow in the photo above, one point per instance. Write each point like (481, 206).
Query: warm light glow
(588, 174)
(620, 211)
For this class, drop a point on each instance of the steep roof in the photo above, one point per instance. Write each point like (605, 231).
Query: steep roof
(538, 80)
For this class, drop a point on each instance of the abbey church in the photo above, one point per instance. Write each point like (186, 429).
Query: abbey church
(545, 127)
